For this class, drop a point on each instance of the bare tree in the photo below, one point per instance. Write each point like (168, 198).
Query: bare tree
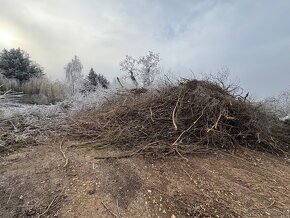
(130, 65)
(73, 73)
(148, 68)
(279, 105)
(143, 70)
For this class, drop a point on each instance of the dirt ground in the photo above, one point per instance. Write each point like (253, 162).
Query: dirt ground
(35, 183)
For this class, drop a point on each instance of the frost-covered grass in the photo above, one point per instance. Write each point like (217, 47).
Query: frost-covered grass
(70, 105)
(23, 124)
(36, 90)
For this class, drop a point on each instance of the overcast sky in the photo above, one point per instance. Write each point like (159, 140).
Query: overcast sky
(251, 38)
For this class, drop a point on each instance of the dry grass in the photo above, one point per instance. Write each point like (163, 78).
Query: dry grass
(36, 90)
(194, 116)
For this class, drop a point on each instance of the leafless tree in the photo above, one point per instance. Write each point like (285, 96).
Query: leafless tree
(280, 105)
(149, 67)
(143, 70)
(130, 65)
(73, 73)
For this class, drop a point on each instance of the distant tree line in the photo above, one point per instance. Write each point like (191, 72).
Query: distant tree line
(76, 80)
(19, 73)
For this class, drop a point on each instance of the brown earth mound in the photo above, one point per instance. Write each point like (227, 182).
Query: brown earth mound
(194, 116)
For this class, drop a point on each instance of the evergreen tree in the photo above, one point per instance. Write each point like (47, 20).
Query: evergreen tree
(92, 77)
(16, 64)
(103, 81)
(97, 79)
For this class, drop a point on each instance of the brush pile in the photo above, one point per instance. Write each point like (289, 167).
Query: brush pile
(194, 116)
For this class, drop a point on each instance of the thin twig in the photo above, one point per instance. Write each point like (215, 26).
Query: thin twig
(151, 114)
(118, 209)
(84, 143)
(127, 155)
(263, 208)
(176, 149)
(63, 154)
(109, 210)
(15, 128)
(9, 196)
(216, 123)
(174, 143)
(47, 209)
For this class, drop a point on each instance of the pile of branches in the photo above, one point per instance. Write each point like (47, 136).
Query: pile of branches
(193, 116)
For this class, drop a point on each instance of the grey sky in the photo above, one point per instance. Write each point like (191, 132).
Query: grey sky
(252, 38)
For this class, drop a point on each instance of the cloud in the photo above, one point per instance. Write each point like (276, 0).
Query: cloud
(252, 38)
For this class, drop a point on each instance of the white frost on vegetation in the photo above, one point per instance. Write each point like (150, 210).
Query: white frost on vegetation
(33, 124)
(279, 105)
(71, 105)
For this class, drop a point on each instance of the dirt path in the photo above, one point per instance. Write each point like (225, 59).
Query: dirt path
(35, 183)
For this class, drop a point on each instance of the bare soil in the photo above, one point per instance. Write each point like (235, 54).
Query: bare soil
(35, 183)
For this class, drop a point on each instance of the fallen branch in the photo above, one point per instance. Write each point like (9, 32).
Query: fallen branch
(216, 123)
(174, 114)
(63, 154)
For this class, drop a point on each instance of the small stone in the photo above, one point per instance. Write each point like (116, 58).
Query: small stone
(30, 212)
(173, 216)
(149, 191)
(91, 189)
